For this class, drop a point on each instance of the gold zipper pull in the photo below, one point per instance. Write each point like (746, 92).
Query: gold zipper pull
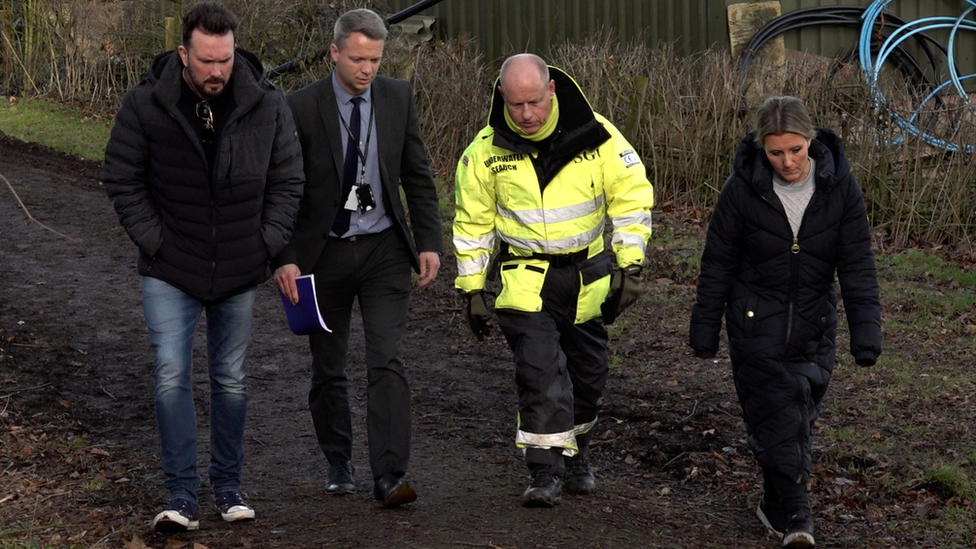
(795, 248)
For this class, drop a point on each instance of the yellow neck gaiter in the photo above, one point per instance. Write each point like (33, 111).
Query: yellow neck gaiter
(546, 129)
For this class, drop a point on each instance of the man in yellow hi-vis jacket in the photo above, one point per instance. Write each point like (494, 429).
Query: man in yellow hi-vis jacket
(541, 181)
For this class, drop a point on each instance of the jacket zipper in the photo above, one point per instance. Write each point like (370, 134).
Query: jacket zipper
(795, 251)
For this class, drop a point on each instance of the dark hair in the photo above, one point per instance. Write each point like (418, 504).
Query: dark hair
(361, 20)
(210, 18)
(785, 114)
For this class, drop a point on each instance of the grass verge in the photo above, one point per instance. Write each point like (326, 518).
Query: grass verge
(66, 128)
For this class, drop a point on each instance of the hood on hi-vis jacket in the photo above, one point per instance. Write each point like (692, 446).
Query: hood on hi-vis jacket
(577, 128)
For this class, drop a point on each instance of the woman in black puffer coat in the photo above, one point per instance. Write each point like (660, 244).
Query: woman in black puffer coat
(789, 218)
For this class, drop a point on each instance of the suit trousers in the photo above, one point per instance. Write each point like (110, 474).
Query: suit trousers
(375, 270)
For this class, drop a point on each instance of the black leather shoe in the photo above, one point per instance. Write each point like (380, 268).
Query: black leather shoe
(340, 479)
(392, 491)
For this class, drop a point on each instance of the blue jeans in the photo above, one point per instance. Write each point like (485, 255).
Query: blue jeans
(171, 316)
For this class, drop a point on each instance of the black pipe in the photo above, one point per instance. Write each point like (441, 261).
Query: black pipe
(416, 8)
(841, 16)
(391, 20)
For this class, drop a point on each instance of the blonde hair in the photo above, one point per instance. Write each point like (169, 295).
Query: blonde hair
(779, 115)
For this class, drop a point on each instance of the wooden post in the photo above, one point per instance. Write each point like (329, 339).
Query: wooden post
(636, 100)
(747, 18)
(6, 52)
(172, 33)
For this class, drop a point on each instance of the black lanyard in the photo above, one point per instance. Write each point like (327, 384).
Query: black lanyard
(362, 152)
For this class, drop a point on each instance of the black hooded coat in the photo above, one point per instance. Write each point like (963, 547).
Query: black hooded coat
(779, 298)
(208, 230)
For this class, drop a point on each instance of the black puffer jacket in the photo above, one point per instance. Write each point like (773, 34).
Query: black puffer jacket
(210, 233)
(779, 301)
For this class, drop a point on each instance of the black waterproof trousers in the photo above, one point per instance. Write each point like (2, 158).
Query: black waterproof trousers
(561, 367)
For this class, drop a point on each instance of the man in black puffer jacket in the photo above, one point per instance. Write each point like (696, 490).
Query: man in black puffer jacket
(789, 218)
(205, 171)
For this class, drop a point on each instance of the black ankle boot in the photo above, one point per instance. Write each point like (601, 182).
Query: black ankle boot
(546, 488)
(579, 478)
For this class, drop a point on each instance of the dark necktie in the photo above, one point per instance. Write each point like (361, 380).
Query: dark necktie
(349, 169)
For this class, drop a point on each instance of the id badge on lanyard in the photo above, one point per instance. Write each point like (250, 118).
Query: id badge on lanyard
(360, 196)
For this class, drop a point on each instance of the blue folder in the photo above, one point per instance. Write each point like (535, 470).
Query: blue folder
(305, 317)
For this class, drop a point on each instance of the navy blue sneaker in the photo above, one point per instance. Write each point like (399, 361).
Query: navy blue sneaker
(232, 507)
(179, 516)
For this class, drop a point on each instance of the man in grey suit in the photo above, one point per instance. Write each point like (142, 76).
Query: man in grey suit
(361, 144)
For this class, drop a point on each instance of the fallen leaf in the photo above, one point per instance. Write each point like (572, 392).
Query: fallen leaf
(135, 543)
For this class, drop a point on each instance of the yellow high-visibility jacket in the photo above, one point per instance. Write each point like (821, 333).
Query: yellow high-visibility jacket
(552, 204)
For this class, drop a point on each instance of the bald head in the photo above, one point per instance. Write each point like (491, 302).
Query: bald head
(527, 90)
(524, 66)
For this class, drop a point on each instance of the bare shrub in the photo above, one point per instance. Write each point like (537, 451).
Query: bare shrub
(684, 115)
(680, 113)
(453, 86)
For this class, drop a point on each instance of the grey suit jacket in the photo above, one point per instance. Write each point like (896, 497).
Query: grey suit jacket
(402, 160)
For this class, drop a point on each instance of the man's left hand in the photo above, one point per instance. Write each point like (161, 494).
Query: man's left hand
(625, 288)
(430, 263)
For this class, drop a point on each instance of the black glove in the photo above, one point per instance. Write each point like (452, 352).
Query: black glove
(477, 312)
(625, 287)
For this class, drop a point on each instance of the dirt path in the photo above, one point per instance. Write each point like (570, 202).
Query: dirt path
(75, 364)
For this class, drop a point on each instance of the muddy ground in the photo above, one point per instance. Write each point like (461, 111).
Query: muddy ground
(78, 448)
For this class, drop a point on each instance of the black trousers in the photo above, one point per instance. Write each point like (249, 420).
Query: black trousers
(779, 418)
(375, 270)
(561, 367)
(779, 421)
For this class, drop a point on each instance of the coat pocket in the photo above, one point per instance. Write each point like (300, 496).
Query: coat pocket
(522, 282)
(750, 314)
(594, 286)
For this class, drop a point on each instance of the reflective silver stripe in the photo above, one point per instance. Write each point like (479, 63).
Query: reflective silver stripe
(640, 218)
(628, 239)
(566, 440)
(485, 242)
(574, 242)
(584, 428)
(473, 266)
(554, 215)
